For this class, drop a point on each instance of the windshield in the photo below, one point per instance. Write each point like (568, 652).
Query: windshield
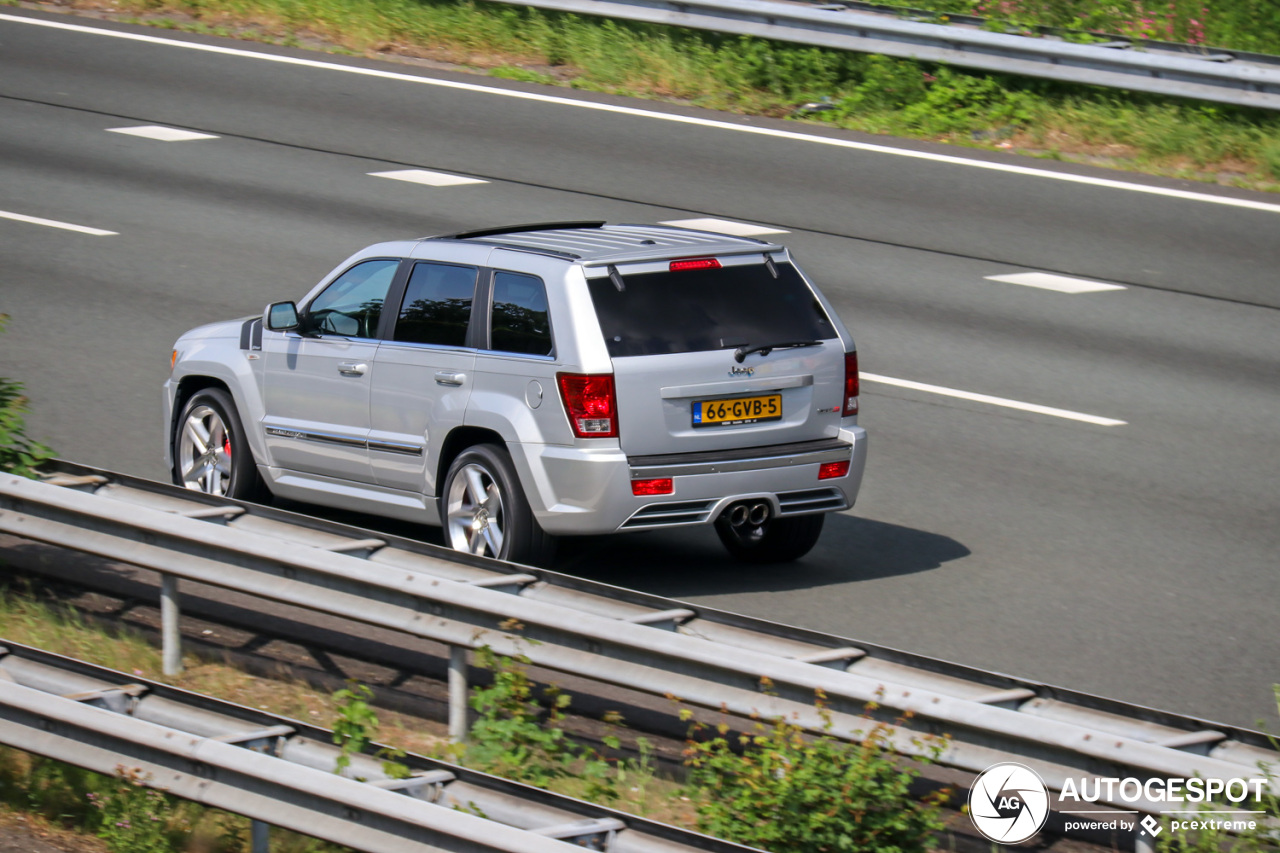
(695, 310)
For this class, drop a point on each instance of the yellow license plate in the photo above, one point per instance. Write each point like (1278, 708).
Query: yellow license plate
(739, 410)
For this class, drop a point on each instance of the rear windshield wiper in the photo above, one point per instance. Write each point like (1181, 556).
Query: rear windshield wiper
(743, 351)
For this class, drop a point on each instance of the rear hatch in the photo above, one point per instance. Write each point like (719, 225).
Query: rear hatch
(718, 354)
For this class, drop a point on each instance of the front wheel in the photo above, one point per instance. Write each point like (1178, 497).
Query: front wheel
(210, 451)
(776, 540)
(485, 512)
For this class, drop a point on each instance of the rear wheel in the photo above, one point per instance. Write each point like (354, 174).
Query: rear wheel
(485, 512)
(210, 450)
(775, 540)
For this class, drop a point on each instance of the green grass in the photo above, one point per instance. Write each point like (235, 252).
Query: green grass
(31, 617)
(875, 94)
(69, 798)
(1247, 25)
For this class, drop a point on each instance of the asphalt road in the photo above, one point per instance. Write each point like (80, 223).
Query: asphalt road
(1137, 561)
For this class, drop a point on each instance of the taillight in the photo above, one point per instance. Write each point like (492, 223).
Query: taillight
(660, 486)
(694, 264)
(850, 384)
(832, 470)
(590, 403)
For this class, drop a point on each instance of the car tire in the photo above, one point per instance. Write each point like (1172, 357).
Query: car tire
(777, 540)
(484, 510)
(211, 452)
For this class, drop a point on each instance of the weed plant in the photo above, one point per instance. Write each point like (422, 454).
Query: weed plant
(517, 736)
(779, 788)
(135, 818)
(1264, 838)
(19, 453)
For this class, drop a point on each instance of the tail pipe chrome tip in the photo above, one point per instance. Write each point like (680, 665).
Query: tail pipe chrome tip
(754, 513)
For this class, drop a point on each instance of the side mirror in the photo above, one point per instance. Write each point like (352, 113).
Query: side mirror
(281, 317)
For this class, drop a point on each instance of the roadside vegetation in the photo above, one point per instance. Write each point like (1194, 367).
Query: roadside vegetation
(19, 453)
(1245, 25)
(876, 94)
(770, 786)
(765, 782)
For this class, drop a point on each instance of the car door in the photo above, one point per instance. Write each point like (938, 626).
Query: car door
(317, 379)
(422, 376)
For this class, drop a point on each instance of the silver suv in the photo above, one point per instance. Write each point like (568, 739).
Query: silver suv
(517, 384)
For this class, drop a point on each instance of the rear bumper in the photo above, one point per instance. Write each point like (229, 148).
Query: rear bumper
(742, 459)
(575, 491)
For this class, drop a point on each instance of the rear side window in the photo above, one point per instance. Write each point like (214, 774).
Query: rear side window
(520, 320)
(437, 305)
(695, 310)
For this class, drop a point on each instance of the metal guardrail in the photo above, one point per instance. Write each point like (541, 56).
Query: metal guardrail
(637, 642)
(1218, 75)
(281, 771)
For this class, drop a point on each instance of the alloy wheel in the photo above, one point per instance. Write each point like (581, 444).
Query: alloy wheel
(204, 452)
(474, 521)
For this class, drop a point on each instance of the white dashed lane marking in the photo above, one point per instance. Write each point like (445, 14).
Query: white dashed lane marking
(724, 226)
(431, 179)
(1060, 283)
(53, 223)
(164, 134)
(994, 401)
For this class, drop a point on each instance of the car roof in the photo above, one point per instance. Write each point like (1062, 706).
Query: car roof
(598, 242)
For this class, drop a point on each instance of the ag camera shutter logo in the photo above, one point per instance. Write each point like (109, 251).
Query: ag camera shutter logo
(1008, 803)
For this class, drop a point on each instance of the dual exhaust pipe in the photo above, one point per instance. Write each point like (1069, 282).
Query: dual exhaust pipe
(753, 513)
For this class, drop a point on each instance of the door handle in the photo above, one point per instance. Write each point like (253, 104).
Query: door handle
(448, 377)
(352, 368)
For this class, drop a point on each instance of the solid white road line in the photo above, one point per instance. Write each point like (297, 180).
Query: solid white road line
(724, 226)
(53, 223)
(431, 179)
(1060, 283)
(164, 134)
(679, 119)
(994, 401)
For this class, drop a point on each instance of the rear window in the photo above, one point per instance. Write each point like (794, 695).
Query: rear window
(695, 310)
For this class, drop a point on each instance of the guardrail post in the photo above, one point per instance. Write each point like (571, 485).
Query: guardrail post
(170, 614)
(458, 694)
(259, 836)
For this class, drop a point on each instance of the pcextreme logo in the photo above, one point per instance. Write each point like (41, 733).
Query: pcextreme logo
(1008, 803)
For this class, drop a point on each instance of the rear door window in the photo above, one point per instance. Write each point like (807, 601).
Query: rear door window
(707, 309)
(437, 305)
(520, 320)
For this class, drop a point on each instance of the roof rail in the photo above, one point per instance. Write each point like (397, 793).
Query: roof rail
(746, 238)
(515, 229)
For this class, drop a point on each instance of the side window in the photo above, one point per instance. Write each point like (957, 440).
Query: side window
(437, 305)
(520, 320)
(352, 304)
